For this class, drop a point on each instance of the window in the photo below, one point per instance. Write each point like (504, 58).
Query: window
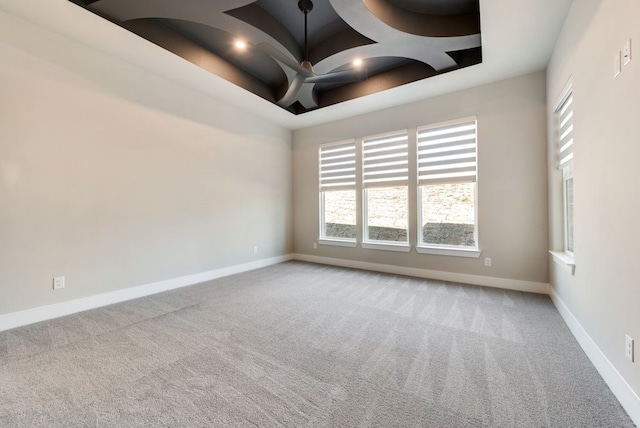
(385, 178)
(564, 116)
(338, 192)
(366, 195)
(447, 175)
(567, 178)
(564, 154)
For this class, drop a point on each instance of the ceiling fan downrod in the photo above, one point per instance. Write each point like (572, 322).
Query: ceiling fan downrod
(305, 7)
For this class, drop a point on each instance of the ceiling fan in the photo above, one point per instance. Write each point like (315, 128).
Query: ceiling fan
(304, 70)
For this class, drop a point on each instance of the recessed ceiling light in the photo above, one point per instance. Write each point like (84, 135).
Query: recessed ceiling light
(357, 62)
(240, 44)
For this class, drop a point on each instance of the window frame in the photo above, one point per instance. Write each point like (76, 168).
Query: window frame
(442, 249)
(410, 180)
(565, 258)
(379, 244)
(322, 237)
(448, 250)
(367, 243)
(567, 223)
(566, 166)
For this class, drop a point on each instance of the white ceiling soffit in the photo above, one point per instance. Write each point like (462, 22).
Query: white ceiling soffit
(518, 37)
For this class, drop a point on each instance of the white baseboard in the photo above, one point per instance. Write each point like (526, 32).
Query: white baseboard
(620, 388)
(43, 313)
(487, 281)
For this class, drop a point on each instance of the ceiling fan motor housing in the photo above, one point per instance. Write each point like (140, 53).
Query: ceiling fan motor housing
(307, 66)
(305, 6)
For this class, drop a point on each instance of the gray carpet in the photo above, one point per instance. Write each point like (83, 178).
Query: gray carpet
(299, 344)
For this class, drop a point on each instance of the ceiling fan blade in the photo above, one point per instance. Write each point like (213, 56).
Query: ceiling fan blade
(292, 93)
(284, 59)
(345, 76)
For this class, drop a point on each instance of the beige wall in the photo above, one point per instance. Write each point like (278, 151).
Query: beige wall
(512, 195)
(604, 294)
(114, 177)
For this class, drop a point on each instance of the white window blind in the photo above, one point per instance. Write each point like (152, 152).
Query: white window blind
(338, 166)
(565, 131)
(385, 160)
(448, 153)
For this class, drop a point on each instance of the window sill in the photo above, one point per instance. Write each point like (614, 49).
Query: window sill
(455, 252)
(387, 246)
(564, 260)
(338, 242)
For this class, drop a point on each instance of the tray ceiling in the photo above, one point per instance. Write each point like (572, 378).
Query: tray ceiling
(398, 41)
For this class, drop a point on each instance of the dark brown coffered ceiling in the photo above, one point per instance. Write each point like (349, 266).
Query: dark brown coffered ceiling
(398, 41)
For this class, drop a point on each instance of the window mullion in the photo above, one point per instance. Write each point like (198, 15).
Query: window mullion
(360, 210)
(412, 215)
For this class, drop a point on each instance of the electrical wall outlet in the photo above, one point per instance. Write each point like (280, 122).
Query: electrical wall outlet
(487, 261)
(255, 250)
(58, 282)
(315, 245)
(628, 347)
(626, 52)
